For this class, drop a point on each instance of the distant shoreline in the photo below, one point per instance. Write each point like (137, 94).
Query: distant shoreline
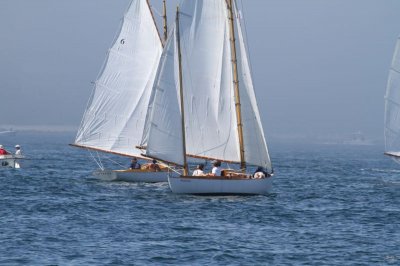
(40, 128)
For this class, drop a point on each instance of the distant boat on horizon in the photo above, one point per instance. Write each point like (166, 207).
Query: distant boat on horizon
(8, 133)
(357, 138)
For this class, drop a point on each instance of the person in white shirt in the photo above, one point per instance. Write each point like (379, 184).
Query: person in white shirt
(199, 170)
(18, 151)
(216, 170)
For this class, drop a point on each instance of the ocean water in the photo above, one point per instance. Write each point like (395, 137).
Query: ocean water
(331, 205)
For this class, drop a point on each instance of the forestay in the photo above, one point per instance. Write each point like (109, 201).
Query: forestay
(392, 105)
(114, 118)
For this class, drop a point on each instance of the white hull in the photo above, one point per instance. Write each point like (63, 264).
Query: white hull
(9, 161)
(132, 176)
(394, 155)
(219, 186)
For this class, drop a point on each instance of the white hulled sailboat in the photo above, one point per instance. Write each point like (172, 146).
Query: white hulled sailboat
(11, 161)
(115, 116)
(204, 104)
(392, 108)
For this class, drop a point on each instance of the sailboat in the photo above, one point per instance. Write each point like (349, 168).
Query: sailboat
(114, 119)
(204, 104)
(357, 138)
(8, 160)
(8, 133)
(11, 161)
(392, 108)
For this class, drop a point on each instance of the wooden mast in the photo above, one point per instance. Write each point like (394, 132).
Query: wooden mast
(165, 21)
(236, 83)
(178, 40)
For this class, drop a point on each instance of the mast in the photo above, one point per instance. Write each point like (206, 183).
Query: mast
(165, 21)
(178, 37)
(236, 83)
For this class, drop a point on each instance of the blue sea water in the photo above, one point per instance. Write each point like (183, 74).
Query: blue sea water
(331, 205)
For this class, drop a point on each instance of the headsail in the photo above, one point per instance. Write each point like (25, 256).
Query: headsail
(256, 151)
(164, 133)
(392, 106)
(114, 118)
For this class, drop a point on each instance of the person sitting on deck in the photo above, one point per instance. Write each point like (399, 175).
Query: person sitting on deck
(154, 166)
(216, 170)
(3, 151)
(134, 164)
(260, 173)
(199, 170)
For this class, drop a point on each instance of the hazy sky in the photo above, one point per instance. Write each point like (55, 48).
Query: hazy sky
(319, 66)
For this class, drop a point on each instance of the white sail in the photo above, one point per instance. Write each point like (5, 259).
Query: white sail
(208, 81)
(114, 118)
(392, 106)
(208, 89)
(164, 127)
(255, 146)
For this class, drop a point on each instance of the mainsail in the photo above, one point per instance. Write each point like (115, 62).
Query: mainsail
(115, 116)
(392, 106)
(208, 85)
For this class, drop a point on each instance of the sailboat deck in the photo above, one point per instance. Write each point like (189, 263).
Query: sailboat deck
(226, 176)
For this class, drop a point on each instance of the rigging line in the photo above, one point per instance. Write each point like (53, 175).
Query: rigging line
(94, 159)
(392, 102)
(247, 45)
(395, 70)
(98, 161)
(113, 161)
(98, 156)
(156, 11)
(172, 169)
